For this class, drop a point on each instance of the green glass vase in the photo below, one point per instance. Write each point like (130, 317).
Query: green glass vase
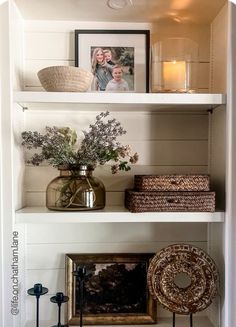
(75, 190)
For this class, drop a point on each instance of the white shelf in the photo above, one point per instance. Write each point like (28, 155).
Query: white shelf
(41, 215)
(162, 322)
(155, 101)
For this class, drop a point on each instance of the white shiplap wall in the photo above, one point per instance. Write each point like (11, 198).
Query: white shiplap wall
(47, 246)
(52, 43)
(166, 143)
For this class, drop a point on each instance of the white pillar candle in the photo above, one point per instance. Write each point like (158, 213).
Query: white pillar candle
(174, 75)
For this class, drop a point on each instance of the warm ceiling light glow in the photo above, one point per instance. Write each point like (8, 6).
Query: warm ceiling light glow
(177, 19)
(180, 5)
(119, 4)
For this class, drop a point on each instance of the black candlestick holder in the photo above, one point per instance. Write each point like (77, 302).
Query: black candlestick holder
(59, 298)
(190, 319)
(80, 274)
(37, 291)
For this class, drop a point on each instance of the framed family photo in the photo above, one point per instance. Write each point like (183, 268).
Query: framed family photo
(115, 289)
(118, 59)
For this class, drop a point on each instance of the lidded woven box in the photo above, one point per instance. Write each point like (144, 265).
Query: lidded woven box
(188, 182)
(137, 201)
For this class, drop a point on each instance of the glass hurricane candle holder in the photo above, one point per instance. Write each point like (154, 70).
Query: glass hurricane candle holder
(174, 66)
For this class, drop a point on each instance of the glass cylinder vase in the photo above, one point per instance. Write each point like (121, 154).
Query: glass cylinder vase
(75, 190)
(175, 66)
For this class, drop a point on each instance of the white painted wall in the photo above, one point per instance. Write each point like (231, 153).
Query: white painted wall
(219, 29)
(11, 32)
(47, 245)
(218, 147)
(1, 172)
(166, 143)
(52, 43)
(229, 240)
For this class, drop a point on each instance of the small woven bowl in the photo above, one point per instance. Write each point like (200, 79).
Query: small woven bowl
(65, 79)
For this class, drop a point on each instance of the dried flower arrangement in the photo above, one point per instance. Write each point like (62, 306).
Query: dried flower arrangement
(100, 145)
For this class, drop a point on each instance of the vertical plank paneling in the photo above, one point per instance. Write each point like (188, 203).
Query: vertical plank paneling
(218, 73)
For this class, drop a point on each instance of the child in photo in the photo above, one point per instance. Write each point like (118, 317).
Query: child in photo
(117, 84)
(108, 57)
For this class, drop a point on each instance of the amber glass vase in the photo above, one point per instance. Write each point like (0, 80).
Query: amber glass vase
(75, 190)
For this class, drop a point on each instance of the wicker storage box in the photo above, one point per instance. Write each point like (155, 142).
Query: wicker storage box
(169, 201)
(172, 182)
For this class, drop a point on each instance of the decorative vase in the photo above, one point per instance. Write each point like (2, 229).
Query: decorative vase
(75, 190)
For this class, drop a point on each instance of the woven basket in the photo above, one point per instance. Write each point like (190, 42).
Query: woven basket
(169, 201)
(65, 79)
(172, 182)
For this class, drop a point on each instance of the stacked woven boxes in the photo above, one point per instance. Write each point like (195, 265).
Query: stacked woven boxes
(170, 193)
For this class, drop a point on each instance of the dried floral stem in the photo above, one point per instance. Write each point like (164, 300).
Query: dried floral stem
(100, 145)
(73, 195)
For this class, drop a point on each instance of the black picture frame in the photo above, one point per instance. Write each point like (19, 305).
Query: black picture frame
(116, 35)
(115, 289)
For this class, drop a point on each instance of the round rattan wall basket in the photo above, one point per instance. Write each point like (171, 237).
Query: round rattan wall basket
(65, 79)
(192, 262)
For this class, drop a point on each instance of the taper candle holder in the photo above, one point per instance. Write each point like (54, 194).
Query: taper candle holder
(37, 291)
(59, 298)
(80, 273)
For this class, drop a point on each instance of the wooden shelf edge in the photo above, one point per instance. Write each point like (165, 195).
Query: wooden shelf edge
(41, 215)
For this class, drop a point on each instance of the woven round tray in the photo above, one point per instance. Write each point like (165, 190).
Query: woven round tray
(65, 79)
(192, 262)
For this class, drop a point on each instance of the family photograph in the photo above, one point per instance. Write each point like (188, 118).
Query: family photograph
(113, 69)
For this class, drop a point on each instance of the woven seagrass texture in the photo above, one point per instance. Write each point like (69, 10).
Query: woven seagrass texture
(169, 201)
(186, 259)
(172, 182)
(65, 79)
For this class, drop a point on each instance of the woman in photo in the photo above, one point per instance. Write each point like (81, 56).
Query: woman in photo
(101, 70)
